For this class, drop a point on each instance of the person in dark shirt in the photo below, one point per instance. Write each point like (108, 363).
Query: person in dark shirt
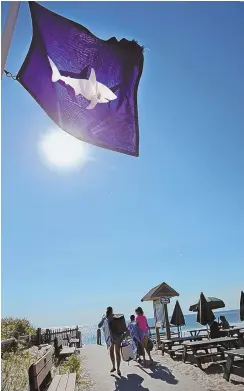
(214, 330)
(224, 324)
(116, 340)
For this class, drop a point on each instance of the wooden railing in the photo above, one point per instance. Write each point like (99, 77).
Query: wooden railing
(41, 336)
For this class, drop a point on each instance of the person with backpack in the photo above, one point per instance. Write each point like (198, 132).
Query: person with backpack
(117, 327)
(136, 338)
(142, 323)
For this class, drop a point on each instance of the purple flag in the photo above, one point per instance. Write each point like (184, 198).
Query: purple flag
(88, 86)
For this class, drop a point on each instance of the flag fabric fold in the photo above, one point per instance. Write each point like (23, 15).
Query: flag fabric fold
(87, 86)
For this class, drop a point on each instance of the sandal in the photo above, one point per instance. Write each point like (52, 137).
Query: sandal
(118, 372)
(113, 370)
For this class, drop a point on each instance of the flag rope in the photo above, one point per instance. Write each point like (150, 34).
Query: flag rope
(8, 32)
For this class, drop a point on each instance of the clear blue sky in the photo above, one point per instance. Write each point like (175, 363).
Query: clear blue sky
(73, 243)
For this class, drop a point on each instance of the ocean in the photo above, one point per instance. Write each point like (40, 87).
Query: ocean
(233, 316)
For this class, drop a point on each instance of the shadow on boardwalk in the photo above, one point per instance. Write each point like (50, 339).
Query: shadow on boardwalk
(160, 372)
(134, 381)
(130, 383)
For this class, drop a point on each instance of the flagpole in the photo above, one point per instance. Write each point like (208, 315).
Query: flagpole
(8, 32)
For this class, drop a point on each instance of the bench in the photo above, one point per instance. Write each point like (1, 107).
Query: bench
(73, 342)
(223, 362)
(173, 351)
(200, 357)
(233, 356)
(62, 351)
(40, 376)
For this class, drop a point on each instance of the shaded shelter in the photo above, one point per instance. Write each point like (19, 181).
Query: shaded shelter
(161, 290)
(158, 292)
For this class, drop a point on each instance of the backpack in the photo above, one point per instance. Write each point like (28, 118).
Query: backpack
(127, 351)
(118, 325)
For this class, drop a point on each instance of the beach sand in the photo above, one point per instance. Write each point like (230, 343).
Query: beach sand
(165, 374)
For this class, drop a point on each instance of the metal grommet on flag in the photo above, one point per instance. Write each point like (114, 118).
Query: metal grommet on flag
(9, 74)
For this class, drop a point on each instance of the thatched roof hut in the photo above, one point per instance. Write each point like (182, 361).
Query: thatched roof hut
(158, 292)
(161, 290)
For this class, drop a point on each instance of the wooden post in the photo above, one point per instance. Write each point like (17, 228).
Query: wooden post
(99, 342)
(48, 336)
(157, 336)
(39, 336)
(31, 378)
(80, 341)
(167, 325)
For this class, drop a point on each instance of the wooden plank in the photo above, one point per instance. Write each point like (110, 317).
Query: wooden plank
(8, 341)
(236, 352)
(71, 382)
(43, 374)
(42, 362)
(55, 383)
(67, 351)
(63, 383)
(209, 354)
(210, 341)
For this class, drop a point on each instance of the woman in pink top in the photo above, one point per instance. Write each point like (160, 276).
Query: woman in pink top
(141, 321)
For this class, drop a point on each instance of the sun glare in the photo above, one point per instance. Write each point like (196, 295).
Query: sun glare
(62, 150)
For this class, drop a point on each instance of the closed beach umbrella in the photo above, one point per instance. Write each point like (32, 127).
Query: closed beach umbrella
(242, 306)
(204, 313)
(177, 317)
(213, 303)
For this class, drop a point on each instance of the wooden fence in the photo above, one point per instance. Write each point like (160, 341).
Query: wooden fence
(9, 345)
(42, 336)
(48, 335)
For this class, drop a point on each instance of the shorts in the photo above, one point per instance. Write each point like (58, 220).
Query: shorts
(117, 339)
(144, 334)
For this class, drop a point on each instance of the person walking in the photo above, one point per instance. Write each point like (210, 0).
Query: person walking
(116, 339)
(136, 339)
(141, 320)
(224, 324)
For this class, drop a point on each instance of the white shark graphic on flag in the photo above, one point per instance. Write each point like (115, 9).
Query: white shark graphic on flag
(91, 89)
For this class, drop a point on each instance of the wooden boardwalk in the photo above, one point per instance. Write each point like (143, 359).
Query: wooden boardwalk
(156, 378)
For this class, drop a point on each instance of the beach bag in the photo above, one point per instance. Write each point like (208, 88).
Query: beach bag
(127, 353)
(149, 345)
(119, 324)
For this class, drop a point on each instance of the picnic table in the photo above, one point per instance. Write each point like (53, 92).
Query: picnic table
(232, 356)
(196, 332)
(231, 331)
(167, 344)
(221, 344)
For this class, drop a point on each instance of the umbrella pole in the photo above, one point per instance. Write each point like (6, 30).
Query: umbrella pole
(167, 326)
(208, 331)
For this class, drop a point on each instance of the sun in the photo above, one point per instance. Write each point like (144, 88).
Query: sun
(62, 150)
